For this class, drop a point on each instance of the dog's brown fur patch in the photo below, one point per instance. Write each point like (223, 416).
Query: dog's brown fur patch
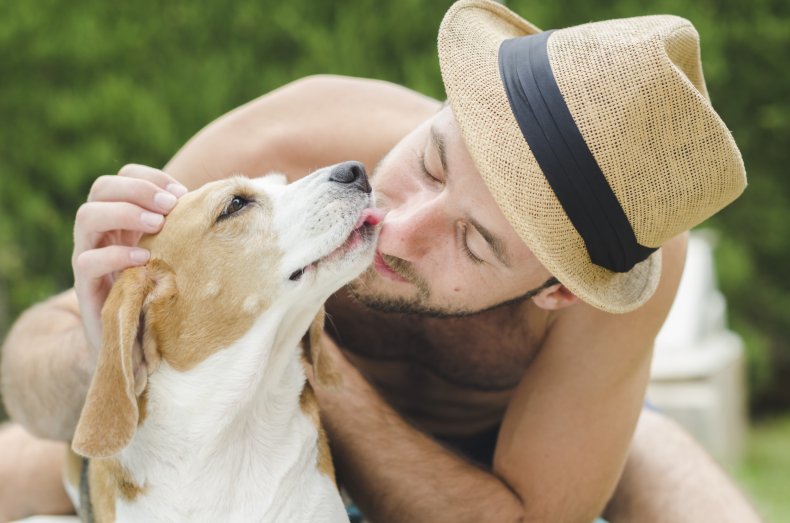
(312, 352)
(309, 405)
(142, 407)
(324, 376)
(109, 480)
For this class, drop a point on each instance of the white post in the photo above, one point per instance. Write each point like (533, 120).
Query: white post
(698, 371)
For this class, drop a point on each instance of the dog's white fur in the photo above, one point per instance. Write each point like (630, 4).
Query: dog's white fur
(259, 466)
(225, 436)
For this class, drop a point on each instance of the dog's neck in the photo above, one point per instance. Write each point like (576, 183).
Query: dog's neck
(230, 384)
(234, 420)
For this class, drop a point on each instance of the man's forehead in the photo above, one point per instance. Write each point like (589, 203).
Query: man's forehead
(446, 134)
(446, 118)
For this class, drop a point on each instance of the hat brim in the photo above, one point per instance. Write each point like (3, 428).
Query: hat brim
(468, 42)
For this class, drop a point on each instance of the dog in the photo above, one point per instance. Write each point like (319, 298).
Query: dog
(199, 409)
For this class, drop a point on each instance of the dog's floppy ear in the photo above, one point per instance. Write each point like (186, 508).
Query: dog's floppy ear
(323, 372)
(110, 414)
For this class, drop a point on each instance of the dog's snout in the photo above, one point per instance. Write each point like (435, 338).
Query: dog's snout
(352, 174)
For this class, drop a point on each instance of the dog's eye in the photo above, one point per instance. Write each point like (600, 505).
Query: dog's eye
(234, 206)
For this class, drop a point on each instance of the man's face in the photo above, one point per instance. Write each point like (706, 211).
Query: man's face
(445, 248)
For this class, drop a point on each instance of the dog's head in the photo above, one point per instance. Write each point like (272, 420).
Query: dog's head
(226, 253)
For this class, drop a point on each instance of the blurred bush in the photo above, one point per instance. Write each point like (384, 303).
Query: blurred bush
(87, 86)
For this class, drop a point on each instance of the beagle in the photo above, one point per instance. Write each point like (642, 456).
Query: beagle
(199, 409)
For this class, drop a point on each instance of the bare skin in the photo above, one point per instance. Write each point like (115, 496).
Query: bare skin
(564, 380)
(39, 492)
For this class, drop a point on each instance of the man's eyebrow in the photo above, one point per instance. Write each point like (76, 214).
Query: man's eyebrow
(496, 243)
(438, 142)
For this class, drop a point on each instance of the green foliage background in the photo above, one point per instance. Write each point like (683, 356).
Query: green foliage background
(88, 85)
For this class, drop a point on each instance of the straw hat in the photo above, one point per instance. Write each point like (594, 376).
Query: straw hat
(598, 141)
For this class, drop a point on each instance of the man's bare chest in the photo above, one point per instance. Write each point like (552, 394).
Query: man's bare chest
(485, 352)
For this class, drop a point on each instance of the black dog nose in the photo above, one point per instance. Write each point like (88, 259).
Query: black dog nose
(352, 173)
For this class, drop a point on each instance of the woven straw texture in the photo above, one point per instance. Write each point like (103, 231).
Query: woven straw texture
(636, 91)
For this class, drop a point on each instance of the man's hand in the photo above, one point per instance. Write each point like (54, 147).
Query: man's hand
(119, 210)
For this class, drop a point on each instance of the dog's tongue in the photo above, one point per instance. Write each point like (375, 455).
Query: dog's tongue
(370, 216)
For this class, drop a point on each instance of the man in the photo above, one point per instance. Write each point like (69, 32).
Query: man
(495, 357)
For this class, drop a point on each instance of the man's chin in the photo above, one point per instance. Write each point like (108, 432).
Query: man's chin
(366, 289)
(363, 290)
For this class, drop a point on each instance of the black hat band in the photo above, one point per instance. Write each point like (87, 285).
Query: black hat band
(563, 155)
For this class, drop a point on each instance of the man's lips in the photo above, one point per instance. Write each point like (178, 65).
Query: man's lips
(385, 270)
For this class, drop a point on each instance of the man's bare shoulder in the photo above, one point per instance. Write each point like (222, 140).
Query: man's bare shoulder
(337, 95)
(352, 118)
(308, 123)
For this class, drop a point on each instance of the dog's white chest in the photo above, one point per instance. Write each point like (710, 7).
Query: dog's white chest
(202, 456)
(310, 499)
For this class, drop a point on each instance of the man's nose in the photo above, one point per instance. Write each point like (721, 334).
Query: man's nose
(410, 232)
(351, 174)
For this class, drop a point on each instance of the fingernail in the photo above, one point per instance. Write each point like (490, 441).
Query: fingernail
(152, 219)
(177, 190)
(139, 255)
(165, 200)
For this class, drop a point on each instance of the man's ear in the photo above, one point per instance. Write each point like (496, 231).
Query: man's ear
(554, 297)
(323, 372)
(110, 415)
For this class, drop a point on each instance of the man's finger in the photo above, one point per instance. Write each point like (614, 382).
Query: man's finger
(140, 192)
(97, 263)
(155, 176)
(95, 218)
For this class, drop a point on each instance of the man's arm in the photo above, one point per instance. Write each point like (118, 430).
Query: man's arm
(31, 473)
(669, 478)
(46, 368)
(566, 433)
(307, 124)
(47, 363)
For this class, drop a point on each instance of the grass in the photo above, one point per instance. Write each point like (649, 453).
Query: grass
(765, 471)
